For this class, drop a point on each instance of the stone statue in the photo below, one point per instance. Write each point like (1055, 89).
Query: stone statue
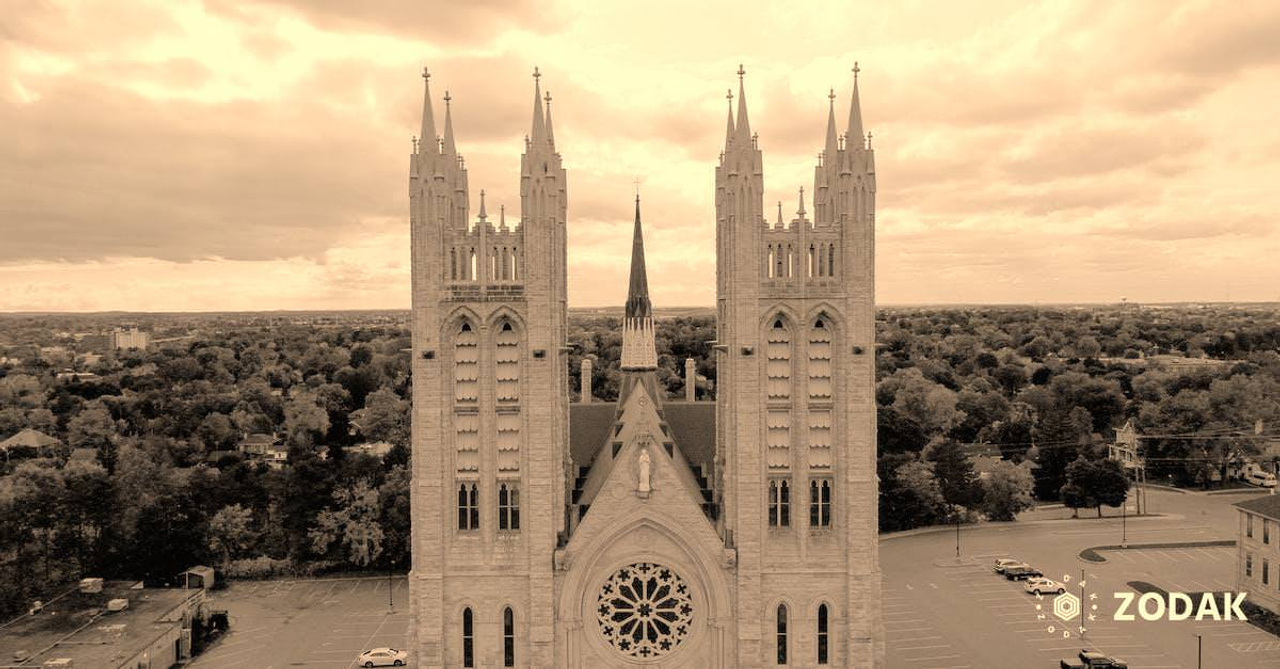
(644, 472)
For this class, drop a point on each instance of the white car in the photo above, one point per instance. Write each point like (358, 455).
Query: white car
(1002, 563)
(1039, 586)
(1261, 479)
(383, 657)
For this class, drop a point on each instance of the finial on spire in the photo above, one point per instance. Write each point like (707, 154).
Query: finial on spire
(483, 215)
(799, 212)
(741, 72)
(447, 98)
(856, 70)
(637, 185)
(779, 213)
(832, 96)
(426, 74)
(868, 139)
(502, 216)
(547, 97)
(536, 73)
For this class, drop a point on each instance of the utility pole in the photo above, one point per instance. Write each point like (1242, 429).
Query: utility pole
(1124, 516)
(1199, 648)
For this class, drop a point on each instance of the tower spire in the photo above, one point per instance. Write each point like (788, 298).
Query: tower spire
(743, 125)
(450, 147)
(428, 133)
(538, 134)
(855, 109)
(800, 211)
(551, 134)
(483, 216)
(728, 133)
(638, 347)
(833, 145)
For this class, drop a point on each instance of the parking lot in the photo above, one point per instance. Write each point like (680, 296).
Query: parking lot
(315, 623)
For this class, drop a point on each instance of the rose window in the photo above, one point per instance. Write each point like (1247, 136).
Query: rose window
(644, 610)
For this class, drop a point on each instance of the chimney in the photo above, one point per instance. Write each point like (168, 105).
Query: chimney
(690, 380)
(586, 381)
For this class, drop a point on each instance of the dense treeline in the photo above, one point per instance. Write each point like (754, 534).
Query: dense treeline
(147, 480)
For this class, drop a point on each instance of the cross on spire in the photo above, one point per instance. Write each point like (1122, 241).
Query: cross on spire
(447, 98)
(426, 74)
(741, 72)
(536, 73)
(856, 70)
(832, 95)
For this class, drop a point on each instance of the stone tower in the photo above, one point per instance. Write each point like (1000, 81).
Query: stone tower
(796, 435)
(490, 403)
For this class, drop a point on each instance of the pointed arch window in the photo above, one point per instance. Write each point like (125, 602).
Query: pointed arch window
(780, 633)
(466, 362)
(509, 506)
(779, 503)
(820, 359)
(831, 260)
(468, 639)
(507, 363)
(468, 507)
(508, 638)
(824, 635)
(778, 363)
(820, 503)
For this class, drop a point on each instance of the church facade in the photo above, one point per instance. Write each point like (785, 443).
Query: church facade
(651, 531)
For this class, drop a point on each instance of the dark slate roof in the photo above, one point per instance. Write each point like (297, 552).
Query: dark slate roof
(693, 424)
(589, 426)
(1266, 505)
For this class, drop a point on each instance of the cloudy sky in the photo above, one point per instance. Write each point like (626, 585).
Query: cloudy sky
(252, 154)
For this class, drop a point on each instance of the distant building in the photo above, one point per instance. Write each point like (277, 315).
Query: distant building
(131, 338)
(152, 628)
(265, 448)
(29, 439)
(1258, 550)
(1125, 448)
(375, 448)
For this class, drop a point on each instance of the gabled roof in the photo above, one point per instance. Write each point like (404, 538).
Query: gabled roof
(692, 424)
(28, 438)
(1265, 505)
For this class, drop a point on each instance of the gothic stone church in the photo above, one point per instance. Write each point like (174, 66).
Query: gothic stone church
(650, 532)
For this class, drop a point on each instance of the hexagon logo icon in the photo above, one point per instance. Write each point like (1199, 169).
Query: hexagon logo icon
(1066, 606)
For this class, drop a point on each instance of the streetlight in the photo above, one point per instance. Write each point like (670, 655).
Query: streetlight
(1199, 647)
(956, 508)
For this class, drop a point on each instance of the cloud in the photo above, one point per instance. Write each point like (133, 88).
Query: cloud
(1026, 151)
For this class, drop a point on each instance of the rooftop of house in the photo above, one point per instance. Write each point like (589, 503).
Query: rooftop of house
(78, 627)
(1266, 505)
(29, 438)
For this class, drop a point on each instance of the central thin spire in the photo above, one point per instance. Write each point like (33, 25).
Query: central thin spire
(639, 350)
(638, 305)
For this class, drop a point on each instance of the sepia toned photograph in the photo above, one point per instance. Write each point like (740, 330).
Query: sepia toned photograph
(639, 335)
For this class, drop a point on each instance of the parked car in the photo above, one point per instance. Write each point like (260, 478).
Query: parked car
(1038, 585)
(1021, 572)
(1260, 478)
(1089, 659)
(1002, 563)
(383, 657)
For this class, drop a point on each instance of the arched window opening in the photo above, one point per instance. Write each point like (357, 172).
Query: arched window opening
(778, 361)
(468, 507)
(508, 638)
(831, 260)
(508, 507)
(779, 503)
(782, 634)
(468, 639)
(820, 503)
(823, 636)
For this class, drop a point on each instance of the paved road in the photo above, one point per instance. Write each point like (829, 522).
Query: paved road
(940, 612)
